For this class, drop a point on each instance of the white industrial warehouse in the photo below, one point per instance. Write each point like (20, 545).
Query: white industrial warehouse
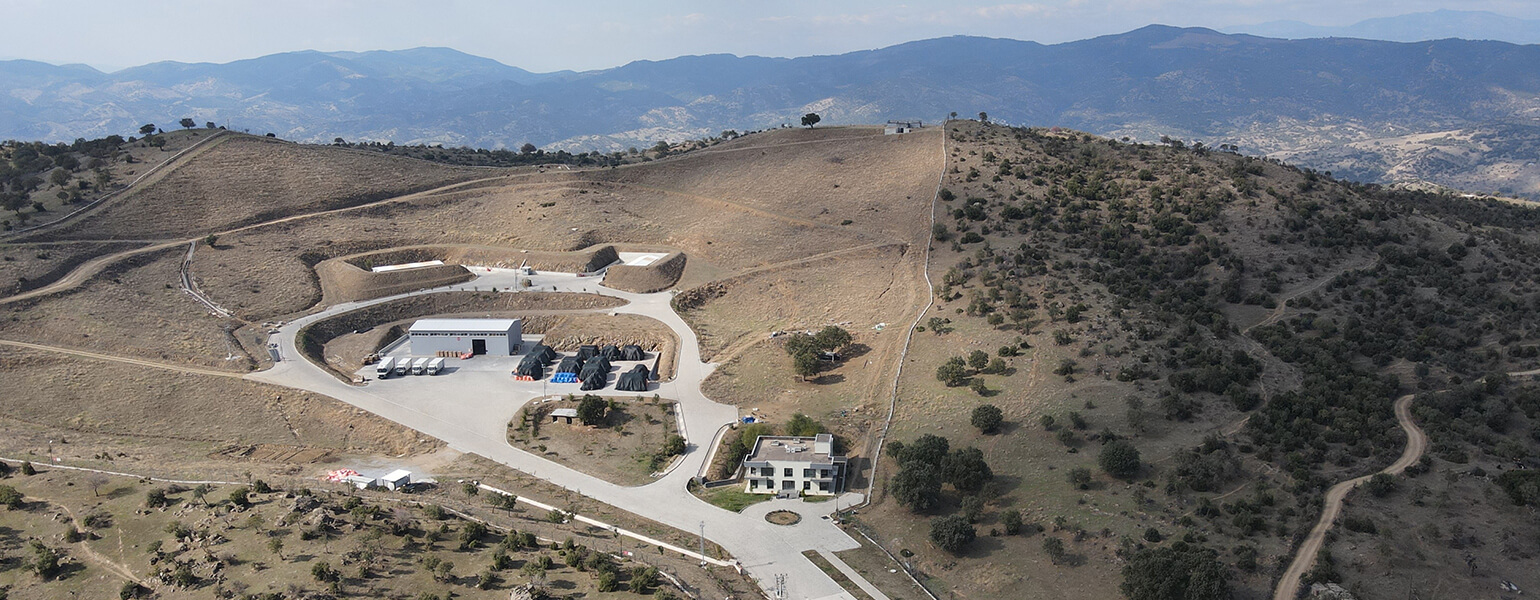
(495, 337)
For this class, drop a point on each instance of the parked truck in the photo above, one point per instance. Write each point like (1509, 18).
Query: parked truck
(383, 368)
(420, 367)
(403, 366)
(435, 366)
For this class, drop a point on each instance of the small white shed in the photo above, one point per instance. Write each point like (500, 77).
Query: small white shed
(397, 479)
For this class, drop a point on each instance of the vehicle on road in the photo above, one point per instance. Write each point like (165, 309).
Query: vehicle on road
(383, 369)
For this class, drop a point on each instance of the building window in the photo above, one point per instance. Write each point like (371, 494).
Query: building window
(788, 472)
(788, 485)
(807, 485)
(823, 473)
(807, 472)
(823, 486)
(754, 484)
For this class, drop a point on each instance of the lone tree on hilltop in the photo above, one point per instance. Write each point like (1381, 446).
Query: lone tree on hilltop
(832, 338)
(805, 364)
(953, 372)
(983, 117)
(591, 410)
(187, 123)
(917, 487)
(987, 418)
(1119, 459)
(978, 360)
(147, 129)
(952, 533)
(810, 119)
(527, 148)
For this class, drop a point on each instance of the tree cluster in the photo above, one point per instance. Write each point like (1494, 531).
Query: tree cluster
(807, 351)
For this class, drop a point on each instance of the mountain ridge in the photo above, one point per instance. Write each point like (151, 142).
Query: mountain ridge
(1414, 27)
(1265, 95)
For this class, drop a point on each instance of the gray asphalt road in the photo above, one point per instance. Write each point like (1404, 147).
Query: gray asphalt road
(475, 423)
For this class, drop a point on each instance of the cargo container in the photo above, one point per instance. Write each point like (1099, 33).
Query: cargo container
(383, 368)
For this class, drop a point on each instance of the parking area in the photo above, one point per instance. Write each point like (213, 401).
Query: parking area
(483, 389)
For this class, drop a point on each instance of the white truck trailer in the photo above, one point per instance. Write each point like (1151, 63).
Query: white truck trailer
(403, 366)
(382, 369)
(436, 366)
(420, 367)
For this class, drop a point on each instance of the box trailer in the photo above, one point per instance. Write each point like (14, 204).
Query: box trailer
(435, 366)
(383, 368)
(420, 367)
(403, 366)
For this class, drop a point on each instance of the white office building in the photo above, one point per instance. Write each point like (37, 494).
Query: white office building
(794, 465)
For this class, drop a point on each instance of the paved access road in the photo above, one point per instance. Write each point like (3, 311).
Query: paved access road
(477, 424)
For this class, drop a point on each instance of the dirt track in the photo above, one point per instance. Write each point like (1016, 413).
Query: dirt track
(92, 267)
(121, 359)
(1416, 444)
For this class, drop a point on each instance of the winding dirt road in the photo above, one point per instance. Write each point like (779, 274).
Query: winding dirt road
(1416, 444)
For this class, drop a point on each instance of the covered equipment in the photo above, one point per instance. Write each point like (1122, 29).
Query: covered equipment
(634, 380)
(610, 352)
(569, 364)
(545, 354)
(632, 352)
(586, 352)
(596, 365)
(595, 381)
(531, 366)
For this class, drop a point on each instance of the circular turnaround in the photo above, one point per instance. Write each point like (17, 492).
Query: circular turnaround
(783, 517)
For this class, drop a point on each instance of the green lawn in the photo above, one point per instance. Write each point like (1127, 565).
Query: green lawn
(731, 497)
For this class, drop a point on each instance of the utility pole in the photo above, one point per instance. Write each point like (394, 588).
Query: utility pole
(703, 543)
(780, 585)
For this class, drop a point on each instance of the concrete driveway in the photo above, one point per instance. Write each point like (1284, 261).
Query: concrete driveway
(475, 423)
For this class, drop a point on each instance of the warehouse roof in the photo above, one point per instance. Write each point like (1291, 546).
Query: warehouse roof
(464, 325)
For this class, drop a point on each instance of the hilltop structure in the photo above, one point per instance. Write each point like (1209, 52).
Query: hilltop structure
(500, 337)
(792, 464)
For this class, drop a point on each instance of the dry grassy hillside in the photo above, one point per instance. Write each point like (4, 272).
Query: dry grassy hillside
(767, 217)
(133, 308)
(242, 179)
(80, 396)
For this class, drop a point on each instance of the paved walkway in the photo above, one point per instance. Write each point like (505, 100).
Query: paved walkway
(470, 425)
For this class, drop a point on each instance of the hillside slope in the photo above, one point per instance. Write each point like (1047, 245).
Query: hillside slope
(241, 179)
(1241, 325)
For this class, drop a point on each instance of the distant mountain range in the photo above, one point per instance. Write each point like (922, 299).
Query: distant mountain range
(1436, 25)
(1297, 98)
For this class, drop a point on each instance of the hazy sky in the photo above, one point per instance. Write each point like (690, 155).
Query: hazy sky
(591, 34)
